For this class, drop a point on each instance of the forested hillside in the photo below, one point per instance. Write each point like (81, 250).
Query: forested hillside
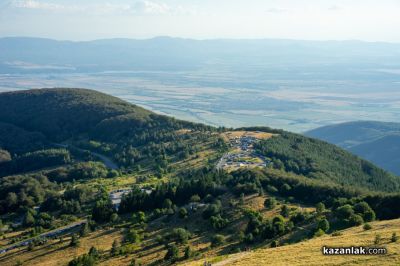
(378, 142)
(65, 113)
(165, 201)
(319, 160)
(33, 119)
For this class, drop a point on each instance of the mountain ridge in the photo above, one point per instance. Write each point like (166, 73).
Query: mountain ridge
(83, 116)
(375, 141)
(38, 55)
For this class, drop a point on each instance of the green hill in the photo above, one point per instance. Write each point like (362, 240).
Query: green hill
(319, 160)
(375, 141)
(64, 113)
(91, 120)
(165, 202)
(130, 134)
(384, 152)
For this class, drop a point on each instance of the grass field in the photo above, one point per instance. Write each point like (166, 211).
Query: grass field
(309, 252)
(57, 252)
(255, 134)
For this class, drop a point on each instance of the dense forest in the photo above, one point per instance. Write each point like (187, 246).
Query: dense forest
(36, 119)
(316, 159)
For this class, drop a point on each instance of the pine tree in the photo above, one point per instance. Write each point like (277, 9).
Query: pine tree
(115, 248)
(74, 241)
(172, 253)
(394, 238)
(93, 252)
(29, 220)
(84, 230)
(188, 252)
(320, 208)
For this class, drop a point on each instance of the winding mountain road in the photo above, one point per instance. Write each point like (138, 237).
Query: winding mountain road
(106, 160)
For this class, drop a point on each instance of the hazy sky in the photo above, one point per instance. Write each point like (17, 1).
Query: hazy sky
(370, 20)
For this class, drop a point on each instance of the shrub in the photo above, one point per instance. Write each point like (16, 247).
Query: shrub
(102, 211)
(323, 224)
(188, 252)
(249, 238)
(270, 203)
(367, 226)
(320, 207)
(183, 213)
(394, 238)
(319, 233)
(180, 235)
(172, 253)
(114, 248)
(135, 262)
(84, 231)
(195, 198)
(217, 240)
(211, 210)
(139, 217)
(355, 220)
(285, 212)
(344, 212)
(218, 222)
(285, 189)
(363, 209)
(74, 241)
(132, 236)
(336, 233)
(274, 244)
(84, 260)
(378, 239)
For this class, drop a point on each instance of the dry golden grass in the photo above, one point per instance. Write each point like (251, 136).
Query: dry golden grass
(309, 252)
(183, 131)
(5, 239)
(255, 134)
(59, 253)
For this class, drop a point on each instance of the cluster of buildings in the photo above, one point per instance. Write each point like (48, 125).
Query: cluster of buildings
(116, 195)
(245, 143)
(244, 157)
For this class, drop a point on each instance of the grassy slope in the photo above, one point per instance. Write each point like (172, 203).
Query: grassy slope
(57, 252)
(149, 252)
(309, 252)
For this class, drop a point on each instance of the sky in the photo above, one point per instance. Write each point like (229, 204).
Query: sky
(368, 20)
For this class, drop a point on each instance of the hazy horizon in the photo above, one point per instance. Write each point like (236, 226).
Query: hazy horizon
(200, 39)
(295, 85)
(366, 20)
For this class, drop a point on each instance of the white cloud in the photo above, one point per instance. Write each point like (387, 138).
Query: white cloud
(143, 7)
(32, 4)
(335, 8)
(150, 8)
(276, 10)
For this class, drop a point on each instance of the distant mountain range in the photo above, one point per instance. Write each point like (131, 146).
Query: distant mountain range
(378, 142)
(37, 55)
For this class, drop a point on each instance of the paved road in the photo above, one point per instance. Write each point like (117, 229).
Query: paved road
(54, 233)
(106, 160)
